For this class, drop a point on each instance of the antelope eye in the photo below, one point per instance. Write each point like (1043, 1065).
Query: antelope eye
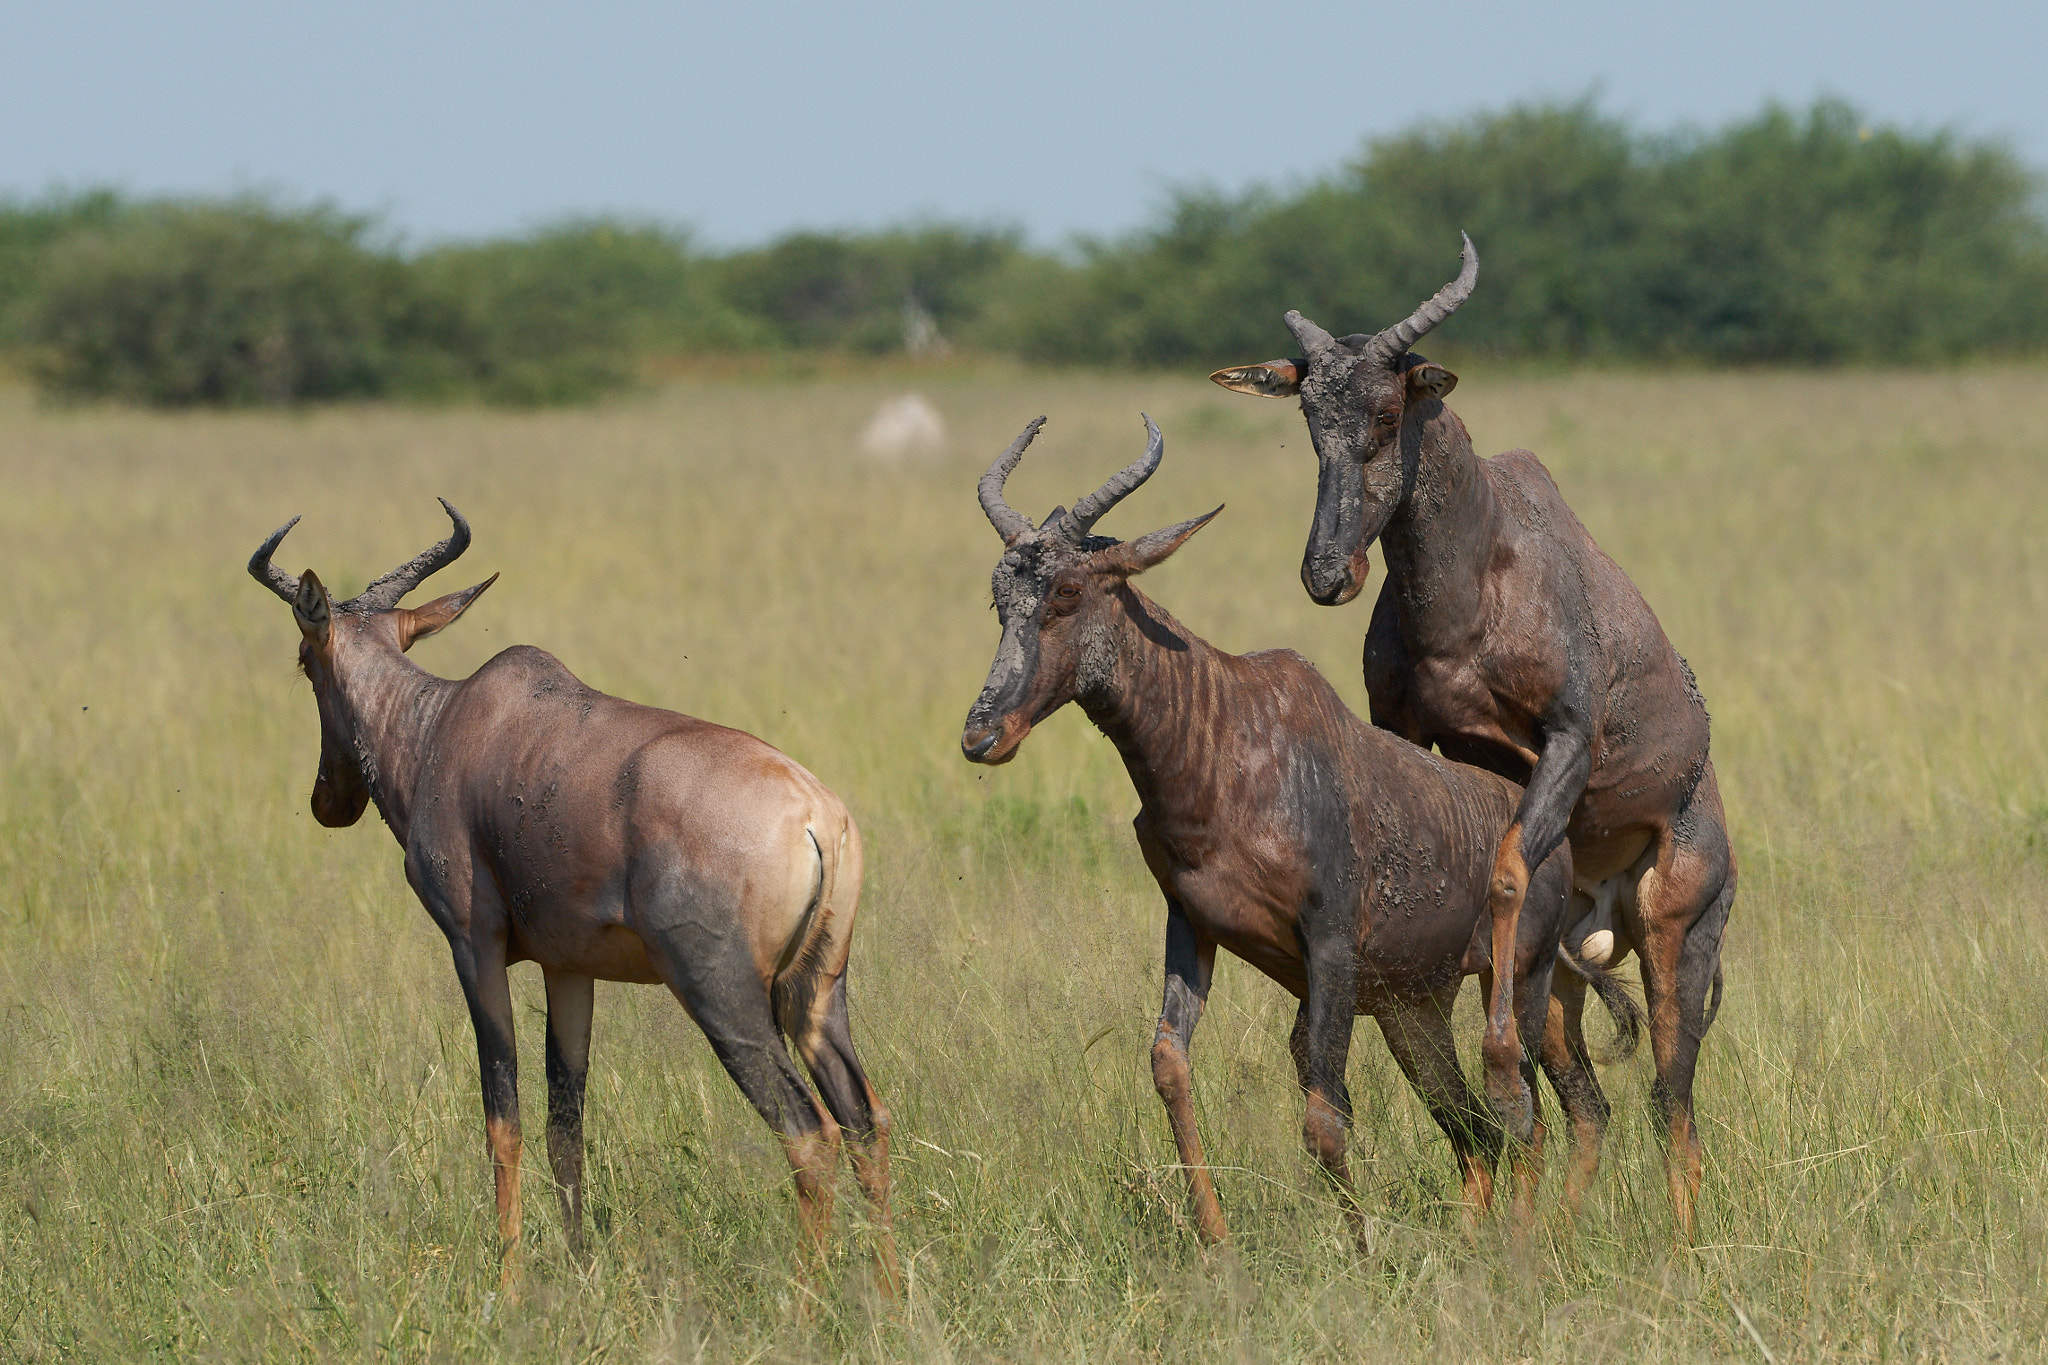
(1066, 592)
(1388, 419)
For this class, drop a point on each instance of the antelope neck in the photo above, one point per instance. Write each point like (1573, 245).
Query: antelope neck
(392, 706)
(1160, 702)
(1439, 541)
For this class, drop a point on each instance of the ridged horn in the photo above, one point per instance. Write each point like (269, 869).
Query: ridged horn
(383, 594)
(1311, 337)
(1008, 521)
(1091, 509)
(268, 574)
(1440, 305)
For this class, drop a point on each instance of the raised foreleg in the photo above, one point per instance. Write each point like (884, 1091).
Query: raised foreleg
(1540, 926)
(568, 1059)
(1538, 828)
(1189, 964)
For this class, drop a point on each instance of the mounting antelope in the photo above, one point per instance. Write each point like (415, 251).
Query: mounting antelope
(1504, 637)
(543, 821)
(1343, 862)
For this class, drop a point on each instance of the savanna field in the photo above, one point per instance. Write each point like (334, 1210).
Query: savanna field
(238, 1106)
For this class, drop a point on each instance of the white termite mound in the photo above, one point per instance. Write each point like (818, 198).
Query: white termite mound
(904, 427)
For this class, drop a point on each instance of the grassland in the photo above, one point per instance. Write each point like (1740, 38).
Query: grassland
(238, 1115)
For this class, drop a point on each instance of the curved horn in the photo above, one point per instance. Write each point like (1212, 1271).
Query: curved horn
(1090, 509)
(267, 573)
(1436, 308)
(1311, 337)
(383, 594)
(1008, 521)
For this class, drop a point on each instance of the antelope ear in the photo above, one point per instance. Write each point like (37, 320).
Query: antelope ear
(1428, 377)
(1135, 556)
(417, 623)
(312, 609)
(1272, 379)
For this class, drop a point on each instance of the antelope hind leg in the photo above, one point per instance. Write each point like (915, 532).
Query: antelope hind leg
(827, 1049)
(1321, 1043)
(1569, 1065)
(1682, 906)
(1419, 1035)
(715, 979)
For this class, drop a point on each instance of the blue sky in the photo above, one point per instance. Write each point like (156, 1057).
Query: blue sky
(745, 120)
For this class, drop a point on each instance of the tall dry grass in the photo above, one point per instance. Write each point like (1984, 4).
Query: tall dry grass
(238, 1115)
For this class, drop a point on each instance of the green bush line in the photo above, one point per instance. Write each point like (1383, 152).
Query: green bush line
(1810, 238)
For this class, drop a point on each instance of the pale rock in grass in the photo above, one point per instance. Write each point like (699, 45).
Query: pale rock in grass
(907, 426)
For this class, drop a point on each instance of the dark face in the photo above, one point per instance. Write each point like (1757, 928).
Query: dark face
(1357, 392)
(333, 639)
(340, 791)
(1354, 405)
(1052, 599)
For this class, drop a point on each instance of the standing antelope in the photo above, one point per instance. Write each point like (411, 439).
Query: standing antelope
(545, 821)
(1505, 637)
(1343, 862)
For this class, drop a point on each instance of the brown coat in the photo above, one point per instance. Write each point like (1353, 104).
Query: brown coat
(544, 821)
(1343, 862)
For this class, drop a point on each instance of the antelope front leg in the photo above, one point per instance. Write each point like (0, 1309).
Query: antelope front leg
(1538, 828)
(1189, 963)
(481, 970)
(568, 1060)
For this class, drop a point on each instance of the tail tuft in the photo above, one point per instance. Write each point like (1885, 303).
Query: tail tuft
(1628, 1016)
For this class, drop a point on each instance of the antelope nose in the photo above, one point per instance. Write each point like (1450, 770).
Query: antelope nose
(977, 746)
(1322, 580)
(1331, 582)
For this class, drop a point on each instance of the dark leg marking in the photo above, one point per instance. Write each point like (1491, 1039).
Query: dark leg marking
(489, 996)
(1419, 1036)
(1189, 964)
(828, 1053)
(568, 1063)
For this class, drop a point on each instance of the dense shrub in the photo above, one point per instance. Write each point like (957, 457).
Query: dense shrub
(28, 230)
(1820, 238)
(243, 302)
(1783, 237)
(567, 313)
(1807, 237)
(175, 303)
(903, 288)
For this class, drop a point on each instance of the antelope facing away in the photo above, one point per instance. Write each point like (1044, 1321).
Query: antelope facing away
(1343, 862)
(544, 821)
(1504, 637)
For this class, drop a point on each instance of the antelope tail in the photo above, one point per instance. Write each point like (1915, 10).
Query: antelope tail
(1622, 1008)
(795, 987)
